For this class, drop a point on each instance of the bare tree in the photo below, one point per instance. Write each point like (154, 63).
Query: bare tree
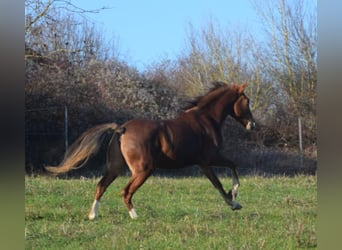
(35, 10)
(291, 55)
(55, 27)
(215, 54)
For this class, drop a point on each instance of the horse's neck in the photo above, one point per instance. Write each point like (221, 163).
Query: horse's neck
(217, 113)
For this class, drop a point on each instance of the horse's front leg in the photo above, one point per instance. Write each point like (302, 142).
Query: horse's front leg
(222, 161)
(217, 184)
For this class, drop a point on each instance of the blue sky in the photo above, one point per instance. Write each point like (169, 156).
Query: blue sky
(149, 30)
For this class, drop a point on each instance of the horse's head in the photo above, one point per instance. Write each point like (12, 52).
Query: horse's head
(241, 111)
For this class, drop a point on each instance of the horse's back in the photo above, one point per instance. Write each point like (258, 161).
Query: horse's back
(167, 143)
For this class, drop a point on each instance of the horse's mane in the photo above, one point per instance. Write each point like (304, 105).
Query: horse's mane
(217, 89)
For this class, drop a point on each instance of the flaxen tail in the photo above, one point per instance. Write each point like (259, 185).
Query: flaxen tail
(85, 146)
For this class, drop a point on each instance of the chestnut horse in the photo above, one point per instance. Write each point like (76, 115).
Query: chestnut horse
(192, 138)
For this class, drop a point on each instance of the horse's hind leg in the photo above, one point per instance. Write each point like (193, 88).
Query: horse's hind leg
(115, 165)
(135, 182)
(101, 187)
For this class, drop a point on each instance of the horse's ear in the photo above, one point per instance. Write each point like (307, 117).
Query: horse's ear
(242, 88)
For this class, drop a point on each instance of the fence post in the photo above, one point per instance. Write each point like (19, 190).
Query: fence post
(300, 142)
(66, 127)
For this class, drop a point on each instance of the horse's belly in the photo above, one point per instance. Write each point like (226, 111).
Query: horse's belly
(165, 161)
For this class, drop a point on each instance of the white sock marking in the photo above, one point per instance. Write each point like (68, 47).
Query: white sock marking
(133, 213)
(93, 211)
(235, 191)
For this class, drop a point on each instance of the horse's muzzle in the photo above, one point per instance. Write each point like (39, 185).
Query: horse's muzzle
(250, 125)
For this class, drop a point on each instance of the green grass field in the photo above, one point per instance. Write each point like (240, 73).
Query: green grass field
(174, 213)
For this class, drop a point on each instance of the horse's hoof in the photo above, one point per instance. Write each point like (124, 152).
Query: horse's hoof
(133, 214)
(91, 216)
(236, 206)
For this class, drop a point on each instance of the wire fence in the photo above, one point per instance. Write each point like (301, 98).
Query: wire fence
(46, 134)
(32, 130)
